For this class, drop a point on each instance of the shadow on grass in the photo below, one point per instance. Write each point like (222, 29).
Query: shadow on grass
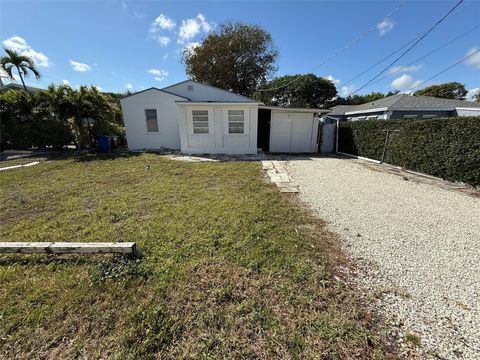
(113, 155)
(49, 259)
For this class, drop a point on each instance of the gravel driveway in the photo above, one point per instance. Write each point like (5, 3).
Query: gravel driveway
(419, 245)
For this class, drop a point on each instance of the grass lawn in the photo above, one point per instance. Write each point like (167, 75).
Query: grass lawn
(232, 268)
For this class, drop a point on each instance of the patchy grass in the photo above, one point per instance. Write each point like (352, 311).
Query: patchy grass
(413, 339)
(232, 269)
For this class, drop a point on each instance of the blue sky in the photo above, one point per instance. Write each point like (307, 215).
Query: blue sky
(120, 45)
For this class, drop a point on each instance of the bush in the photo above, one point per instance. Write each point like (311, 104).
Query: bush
(448, 148)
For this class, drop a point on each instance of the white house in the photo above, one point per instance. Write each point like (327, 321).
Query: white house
(202, 119)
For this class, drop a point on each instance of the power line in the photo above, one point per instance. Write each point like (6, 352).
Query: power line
(346, 47)
(378, 62)
(412, 46)
(428, 54)
(445, 70)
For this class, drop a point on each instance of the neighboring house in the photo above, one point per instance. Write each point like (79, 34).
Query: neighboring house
(404, 106)
(202, 119)
(18, 87)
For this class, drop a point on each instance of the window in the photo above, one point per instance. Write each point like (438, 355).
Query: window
(152, 123)
(189, 87)
(429, 116)
(236, 122)
(409, 116)
(200, 121)
(372, 117)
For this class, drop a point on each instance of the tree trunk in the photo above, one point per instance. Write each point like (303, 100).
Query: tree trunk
(21, 78)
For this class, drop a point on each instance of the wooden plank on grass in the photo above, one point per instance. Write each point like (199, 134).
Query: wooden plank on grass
(124, 248)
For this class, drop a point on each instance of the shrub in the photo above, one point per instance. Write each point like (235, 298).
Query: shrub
(448, 148)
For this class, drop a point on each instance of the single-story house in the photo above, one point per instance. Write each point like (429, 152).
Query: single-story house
(201, 119)
(404, 106)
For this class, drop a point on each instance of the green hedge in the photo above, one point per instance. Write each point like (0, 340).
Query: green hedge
(448, 148)
(37, 133)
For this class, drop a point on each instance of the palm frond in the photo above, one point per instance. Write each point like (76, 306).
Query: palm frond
(23, 63)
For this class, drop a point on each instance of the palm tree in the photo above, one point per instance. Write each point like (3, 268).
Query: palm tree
(22, 63)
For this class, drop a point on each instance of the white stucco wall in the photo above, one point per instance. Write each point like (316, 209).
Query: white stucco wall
(218, 141)
(293, 132)
(133, 109)
(467, 112)
(202, 92)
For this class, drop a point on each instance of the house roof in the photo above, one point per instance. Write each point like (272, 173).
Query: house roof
(340, 109)
(409, 102)
(18, 87)
(153, 88)
(172, 87)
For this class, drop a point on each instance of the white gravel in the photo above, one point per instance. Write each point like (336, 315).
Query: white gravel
(420, 245)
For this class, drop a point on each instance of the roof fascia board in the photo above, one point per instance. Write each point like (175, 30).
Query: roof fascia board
(366, 111)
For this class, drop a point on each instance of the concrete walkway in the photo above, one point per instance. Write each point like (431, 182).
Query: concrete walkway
(279, 176)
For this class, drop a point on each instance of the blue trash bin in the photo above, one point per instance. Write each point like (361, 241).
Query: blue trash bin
(104, 143)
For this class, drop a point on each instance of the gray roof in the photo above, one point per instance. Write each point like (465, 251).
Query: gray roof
(19, 87)
(340, 109)
(409, 102)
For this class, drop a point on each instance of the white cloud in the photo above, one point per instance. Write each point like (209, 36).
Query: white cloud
(159, 74)
(347, 90)
(190, 47)
(162, 22)
(124, 4)
(165, 56)
(78, 66)
(475, 59)
(385, 26)
(97, 87)
(65, 82)
(192, 27)
(405, 82)
(397, 69)
(3, 74)
(206, 26)
(189, 29)
(471, 93)
(128, 86)
(20, 45)
(333, 80)
(163, 40)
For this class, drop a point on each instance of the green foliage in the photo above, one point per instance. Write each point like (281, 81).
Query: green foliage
(359, 99)
(25, 125)
(448, 148)
(305, 91)
(236, 57)
(120, 269)
(23, 64)
(57, 116)
(451, 90)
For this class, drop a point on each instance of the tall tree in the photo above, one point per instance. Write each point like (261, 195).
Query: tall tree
(23, 64)
(451, 90)
(236, 57)
(307, 90)
(358, 99)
